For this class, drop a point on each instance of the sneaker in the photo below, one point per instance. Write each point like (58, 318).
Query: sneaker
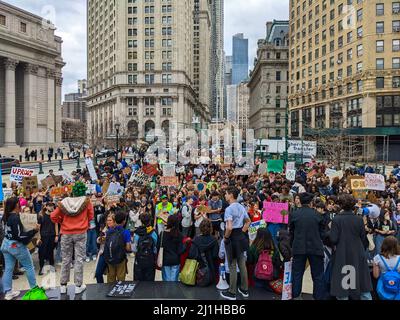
(94, 258)
(244, 293)
(79, 290)
(227, 295)
(63, 289)
(87, 259)
(11, 295)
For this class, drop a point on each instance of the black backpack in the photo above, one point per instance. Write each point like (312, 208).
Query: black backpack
(145, 256)
(114, 249)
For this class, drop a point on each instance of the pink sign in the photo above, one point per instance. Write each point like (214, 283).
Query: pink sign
(273, 212)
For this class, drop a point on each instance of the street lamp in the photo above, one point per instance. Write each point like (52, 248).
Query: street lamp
(117, 127)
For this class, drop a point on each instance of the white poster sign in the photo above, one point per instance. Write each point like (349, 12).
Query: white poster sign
(291, 175)
(90, 167)
(198, 172)
(375, 181)
(287, 282)
(290, 166)
(17, 174)
(169, 170)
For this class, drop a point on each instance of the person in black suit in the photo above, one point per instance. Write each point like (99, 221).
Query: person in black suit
(307, 230)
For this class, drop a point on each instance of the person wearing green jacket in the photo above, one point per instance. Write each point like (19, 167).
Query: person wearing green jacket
(163, 207)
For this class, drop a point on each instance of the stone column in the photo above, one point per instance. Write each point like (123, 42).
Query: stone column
(313, 117)
(141, 118)
(158, 113)
(301, 124)
(51, 105)
(30, 104)
(58, 113)
(327, 116)
(10, 124)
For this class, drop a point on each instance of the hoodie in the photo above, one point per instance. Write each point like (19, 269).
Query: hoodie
(74, 215)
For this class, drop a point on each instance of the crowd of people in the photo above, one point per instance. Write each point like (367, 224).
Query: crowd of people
(206, 218)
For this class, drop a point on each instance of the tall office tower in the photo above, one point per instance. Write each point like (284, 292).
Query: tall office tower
(218, 59)
(240, 58)
(344, 70)
(82, 86)
(228, 79)
(141, 67)
(268, 83)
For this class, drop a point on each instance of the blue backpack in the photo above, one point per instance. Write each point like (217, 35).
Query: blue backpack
(388, 287)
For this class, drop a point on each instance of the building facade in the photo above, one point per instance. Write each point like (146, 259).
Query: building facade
(345, 69)
(141, 71)
(30, 79)
(231, 103)
(240, 58)
(269, 84)
(243, 106)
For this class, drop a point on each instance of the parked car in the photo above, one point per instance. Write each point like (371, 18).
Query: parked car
(8, 163)
(104, 153)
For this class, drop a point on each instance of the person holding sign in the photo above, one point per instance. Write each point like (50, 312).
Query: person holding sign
(14, 247)
(163, 210)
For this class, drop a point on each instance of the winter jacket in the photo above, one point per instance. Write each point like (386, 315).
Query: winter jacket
(284, 245)
(14, 230)
(74, 215)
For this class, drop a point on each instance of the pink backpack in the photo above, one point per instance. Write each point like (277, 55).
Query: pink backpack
(264, 268)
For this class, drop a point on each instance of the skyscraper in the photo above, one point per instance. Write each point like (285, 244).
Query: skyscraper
(218, 58)
(141, 66)
(240, 58)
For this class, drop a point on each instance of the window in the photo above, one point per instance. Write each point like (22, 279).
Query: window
(359, 15)
(380, 9)
(132, 79)
(396, 83)
(396, 63)
(380, 27)
(380, 82)
(396, 45)
(396, 26)
(380, 46)
(22, 27)
(278, 102)
(3, 20)
(396, 7)
(359, 32)
(278, 118)
(380, 64)
(359, 50)
(278, 76)
(149, 78)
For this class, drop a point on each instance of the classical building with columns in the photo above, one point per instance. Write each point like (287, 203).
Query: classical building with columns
(147, 66)
(30, 79)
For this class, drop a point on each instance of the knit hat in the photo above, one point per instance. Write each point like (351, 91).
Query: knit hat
(79, 189)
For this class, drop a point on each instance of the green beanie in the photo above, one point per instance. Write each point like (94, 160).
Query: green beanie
(79, 189)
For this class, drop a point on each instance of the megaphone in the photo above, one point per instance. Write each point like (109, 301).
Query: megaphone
(372, 210)
(222, 284)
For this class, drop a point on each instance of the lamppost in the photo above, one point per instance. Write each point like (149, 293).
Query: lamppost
(117, 127)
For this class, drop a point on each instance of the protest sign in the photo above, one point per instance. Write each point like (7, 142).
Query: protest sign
(287, 282)
(114, 189)
(198, 172)
(28, 220)
(96, 201)
(150, 170)
(90, 167)
(311, 174)
(290, 166)
(140, 179)
(61, 191)
(67, 177)
(276, 212)
(30, 185)
(168, 170)
(163, 215)
(291, 175)
(375, 181)
(48, 182)
(262, 168)
(112, 199)
(7, 193)
(203, 209)
(275, 166)
(360, 194)
(127, 171)
(105, 186)
(122, 290)
(357, 183)
(254, 227)
(91, 189)
(180, 170)
(17, 174)
(169, 181)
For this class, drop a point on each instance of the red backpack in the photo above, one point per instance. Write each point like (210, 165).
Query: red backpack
(264, 268)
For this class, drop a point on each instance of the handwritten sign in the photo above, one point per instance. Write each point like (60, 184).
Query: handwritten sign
(150, 170)
(375, 181)
(30, 185)
(254, 227)
(127, 171)
(180, 170)
(112, 199)
(275, 166)
(290, 166)
(91, 189)
(262, 168)
(7, 193)
(90, 167)
(17, 174)
(274, 212)
(287, 282)
(169, 181)
(60, 191)
(168, 170)
(357, 183)
(291, 175)
(114, 189)
(28, 220)
(140, 179)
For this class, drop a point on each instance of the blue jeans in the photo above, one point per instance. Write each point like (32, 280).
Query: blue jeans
(91, 244)
(15, 251)
(378, 243)
(100, 268)
(170, 273)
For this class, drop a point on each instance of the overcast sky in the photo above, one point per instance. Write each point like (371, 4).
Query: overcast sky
(69, 16)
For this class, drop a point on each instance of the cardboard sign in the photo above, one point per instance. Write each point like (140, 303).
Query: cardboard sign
(291, 175)
(225, 166)
(17, 174)
(357, 183)
(203, 209)
(150, 170)
(163, 215)
(56, 192)
(375, 181)
(198, 172)
(360, 194)
(168, 170)
(112, 199)
(273, 212)
(262, 168)
(48, 182)
(7, 193)
(29, 221)
(254, 227)
(127, 171)
(290, 166)
(30, 185)
(287, 282)
(169, 181)
(275, 166)
(122, 290)
(90, 167)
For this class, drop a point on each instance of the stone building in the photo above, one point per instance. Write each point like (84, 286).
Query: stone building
(30, 79)
(268, 83)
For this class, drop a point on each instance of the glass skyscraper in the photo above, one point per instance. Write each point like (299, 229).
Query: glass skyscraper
(240, 59)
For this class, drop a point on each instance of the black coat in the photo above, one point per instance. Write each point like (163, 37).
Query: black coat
(307, 230)
(348, 235)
